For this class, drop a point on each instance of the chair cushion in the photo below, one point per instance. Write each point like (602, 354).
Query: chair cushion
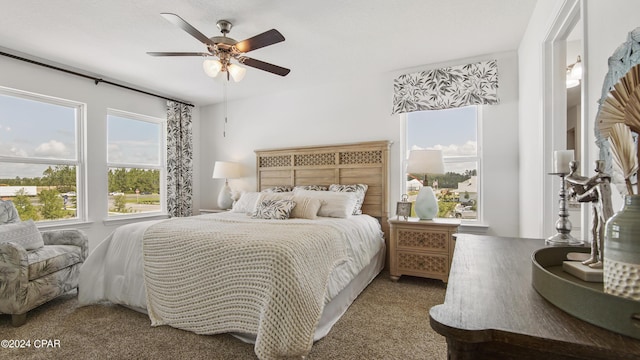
(51, 258)
(8, 212)
(24, 233)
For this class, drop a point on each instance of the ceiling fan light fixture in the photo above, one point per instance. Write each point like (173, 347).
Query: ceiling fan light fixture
(237, 72)
(212, 67)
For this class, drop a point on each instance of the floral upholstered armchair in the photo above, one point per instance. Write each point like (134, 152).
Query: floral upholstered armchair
(35, 266)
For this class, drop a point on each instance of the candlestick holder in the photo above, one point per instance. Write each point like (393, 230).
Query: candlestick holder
(563, 236)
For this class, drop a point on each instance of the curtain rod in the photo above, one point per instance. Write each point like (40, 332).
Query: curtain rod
(95, 80)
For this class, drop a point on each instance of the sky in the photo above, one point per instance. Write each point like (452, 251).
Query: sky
(30, 128)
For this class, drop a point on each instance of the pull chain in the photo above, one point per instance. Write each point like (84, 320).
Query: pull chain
(224, 131)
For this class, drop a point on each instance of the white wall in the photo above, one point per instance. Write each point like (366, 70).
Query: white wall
(356, 111)
(607, 24)
(98, 98)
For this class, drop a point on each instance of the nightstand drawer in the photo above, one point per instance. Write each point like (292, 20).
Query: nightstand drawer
(423, 240)
(423, 263)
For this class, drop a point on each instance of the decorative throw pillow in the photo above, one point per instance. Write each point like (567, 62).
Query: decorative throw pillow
(359, 189)
(279, 189)
(306, 207)
(8, 212)
(335, 204)
(311, 187)
(246, 203)
(24, 233)
(273, 209)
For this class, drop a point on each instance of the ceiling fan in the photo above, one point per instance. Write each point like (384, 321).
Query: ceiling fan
(225, 48)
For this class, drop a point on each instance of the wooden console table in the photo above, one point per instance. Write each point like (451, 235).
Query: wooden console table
(491, 310)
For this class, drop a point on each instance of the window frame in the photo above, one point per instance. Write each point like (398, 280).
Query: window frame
(404, 131)
(162, 166)
(79, 162)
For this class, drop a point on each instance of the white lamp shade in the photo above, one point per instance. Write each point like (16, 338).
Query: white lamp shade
(237, 72)
(226, 170)
(425, 162)
(212, 67)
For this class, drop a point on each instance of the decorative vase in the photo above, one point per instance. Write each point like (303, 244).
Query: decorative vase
(426, 205)
(622, 251)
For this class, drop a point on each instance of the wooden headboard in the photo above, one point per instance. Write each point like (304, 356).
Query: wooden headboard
(357, 163)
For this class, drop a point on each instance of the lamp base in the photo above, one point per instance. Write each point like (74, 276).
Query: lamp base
(224, 197)
(426, 206)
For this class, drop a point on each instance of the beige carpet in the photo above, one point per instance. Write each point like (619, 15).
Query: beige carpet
(388, 321)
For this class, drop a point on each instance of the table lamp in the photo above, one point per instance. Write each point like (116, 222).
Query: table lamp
(423, 162)
(225, 170)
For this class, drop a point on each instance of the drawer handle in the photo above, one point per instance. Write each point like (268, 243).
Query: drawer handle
(635, 319)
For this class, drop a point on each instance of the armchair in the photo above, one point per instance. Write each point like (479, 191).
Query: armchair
(35, 266)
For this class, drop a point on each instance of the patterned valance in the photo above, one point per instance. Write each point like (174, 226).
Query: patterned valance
(446, 88)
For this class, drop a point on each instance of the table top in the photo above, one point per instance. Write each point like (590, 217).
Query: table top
(490, 298)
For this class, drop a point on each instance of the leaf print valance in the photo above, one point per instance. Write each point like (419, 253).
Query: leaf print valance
(446, 88)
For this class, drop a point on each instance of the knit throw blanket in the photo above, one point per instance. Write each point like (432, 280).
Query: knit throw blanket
(267, 278)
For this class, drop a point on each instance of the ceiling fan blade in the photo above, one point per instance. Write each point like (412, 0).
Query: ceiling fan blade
(258, 64)
(177, 20)
(267, 38)
(177, 54)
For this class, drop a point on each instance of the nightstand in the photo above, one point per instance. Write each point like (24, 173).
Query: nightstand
(421, 247)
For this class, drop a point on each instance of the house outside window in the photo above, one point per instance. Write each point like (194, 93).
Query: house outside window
(136, 163)
(41, 156)
(455, 132)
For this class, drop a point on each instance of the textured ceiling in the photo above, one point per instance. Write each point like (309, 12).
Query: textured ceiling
(326, 40)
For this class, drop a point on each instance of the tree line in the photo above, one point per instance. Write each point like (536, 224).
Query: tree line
(52, 201)
(449, 180)
(63, 178)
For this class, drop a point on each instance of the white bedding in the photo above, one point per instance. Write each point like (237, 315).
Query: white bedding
(114, 270)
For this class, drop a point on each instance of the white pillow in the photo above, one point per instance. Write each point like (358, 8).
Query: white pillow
(335, 204)
(246, 203)
(24, 233)
(359, 189)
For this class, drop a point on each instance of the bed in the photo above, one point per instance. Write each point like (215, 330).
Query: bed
(280, 284)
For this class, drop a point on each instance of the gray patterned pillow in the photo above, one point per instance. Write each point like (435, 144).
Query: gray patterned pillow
(311, 187)
(359, 189)
(274, 209)
(24, 233)
(279, 189)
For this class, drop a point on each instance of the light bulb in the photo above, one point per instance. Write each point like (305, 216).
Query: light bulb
(237, 72)
(576, 70)
(212, 67)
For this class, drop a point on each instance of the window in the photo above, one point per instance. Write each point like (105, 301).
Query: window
(41, 155)
(455, 132)
(136, 162)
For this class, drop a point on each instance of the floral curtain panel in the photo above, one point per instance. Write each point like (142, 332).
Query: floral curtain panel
(446, 88)
(179, 159)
